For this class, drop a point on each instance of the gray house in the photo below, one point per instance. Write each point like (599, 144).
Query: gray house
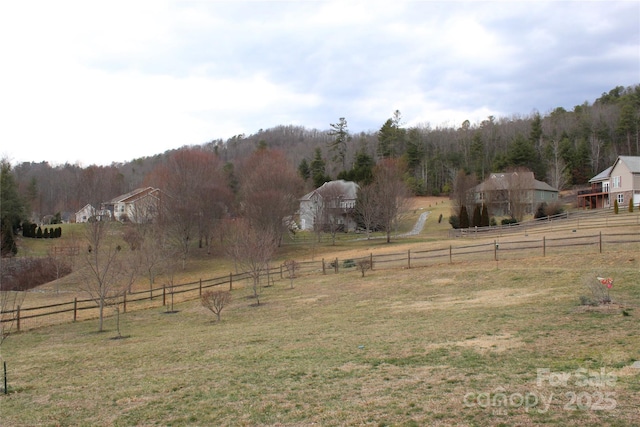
(513, 193)
(331, 205)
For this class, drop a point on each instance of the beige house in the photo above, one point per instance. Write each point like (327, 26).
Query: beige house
(140, 206)
(625, 180)
(619, 182)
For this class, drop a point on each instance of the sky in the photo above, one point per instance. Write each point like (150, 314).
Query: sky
(96, 82)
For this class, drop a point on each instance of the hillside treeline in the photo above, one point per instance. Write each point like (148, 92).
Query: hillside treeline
(563, 148)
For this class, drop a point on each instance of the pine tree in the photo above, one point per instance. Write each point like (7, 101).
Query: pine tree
(303, 170)
(484, 217)
(464, 217)
(477, 216)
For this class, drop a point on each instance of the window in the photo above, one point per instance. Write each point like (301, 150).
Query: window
(605, 187)
(616, 182)
(620, 198)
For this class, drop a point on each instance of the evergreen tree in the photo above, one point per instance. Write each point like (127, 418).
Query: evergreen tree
(464, 217)
(8, 243)
(391, 137)
(484, 216)
(12, 208)
(339, 145)
(363, 168)
(616, 208)
(631, 204)
(317, 169)
(304, 170)
(45, 234)
(477, 215)
(39, 233)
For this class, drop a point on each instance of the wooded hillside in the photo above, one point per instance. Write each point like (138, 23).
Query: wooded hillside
(563, 148)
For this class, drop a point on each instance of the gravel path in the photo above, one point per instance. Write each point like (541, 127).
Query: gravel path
(419, 225)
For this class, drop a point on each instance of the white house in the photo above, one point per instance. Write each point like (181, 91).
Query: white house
(332, 203)
(84, 214)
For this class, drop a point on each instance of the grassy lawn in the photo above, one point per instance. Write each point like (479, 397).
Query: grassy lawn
(468, 343)
(422, 346)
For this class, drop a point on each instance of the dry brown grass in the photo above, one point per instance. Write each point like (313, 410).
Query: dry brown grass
(398, 347)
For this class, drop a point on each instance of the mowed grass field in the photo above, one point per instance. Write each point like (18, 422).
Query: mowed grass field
(473, 343)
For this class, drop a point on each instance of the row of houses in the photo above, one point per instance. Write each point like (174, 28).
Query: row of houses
(336, 200)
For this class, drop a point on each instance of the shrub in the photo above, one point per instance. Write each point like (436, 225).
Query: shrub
(21, 274)
(454, 221)
(541, 211)
(215, 301)
(507, 221)
(364, 265)
(615, 206)
(598, 288)
(631, 205)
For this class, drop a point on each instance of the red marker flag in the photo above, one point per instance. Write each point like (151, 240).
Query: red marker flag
(608, 281)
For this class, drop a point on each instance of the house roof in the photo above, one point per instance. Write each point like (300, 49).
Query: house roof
(86, 207)
(348, 189)
(632, 162)
(131, 196)
(500, 181)
(602, 175)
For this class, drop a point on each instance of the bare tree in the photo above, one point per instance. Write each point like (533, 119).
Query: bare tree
(270, 189)
(333, 215)
(170, 268)
(462, 194)
(557, 171)
(215, 301)
(364, 265)
(252, 249)
(105, 273)
(196, 197)
(291, 266)
(520, 189)
(390, 192)
(367, 210)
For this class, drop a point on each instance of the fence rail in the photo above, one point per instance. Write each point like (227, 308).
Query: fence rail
(81, 309)
(575, 220)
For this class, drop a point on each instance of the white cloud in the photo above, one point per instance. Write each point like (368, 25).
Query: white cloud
(116, 80)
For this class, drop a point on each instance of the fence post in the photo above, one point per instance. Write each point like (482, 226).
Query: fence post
(335, 267)
(281, 276)
(371, 260)
(323, 267)
(18, 318)
(409, 258)
(495, 250)
(450, 254)
(164, 295)
(544, 246)
(124, 302)
(600, 242)
(230, 281)
(200, 288)
(75, 308)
